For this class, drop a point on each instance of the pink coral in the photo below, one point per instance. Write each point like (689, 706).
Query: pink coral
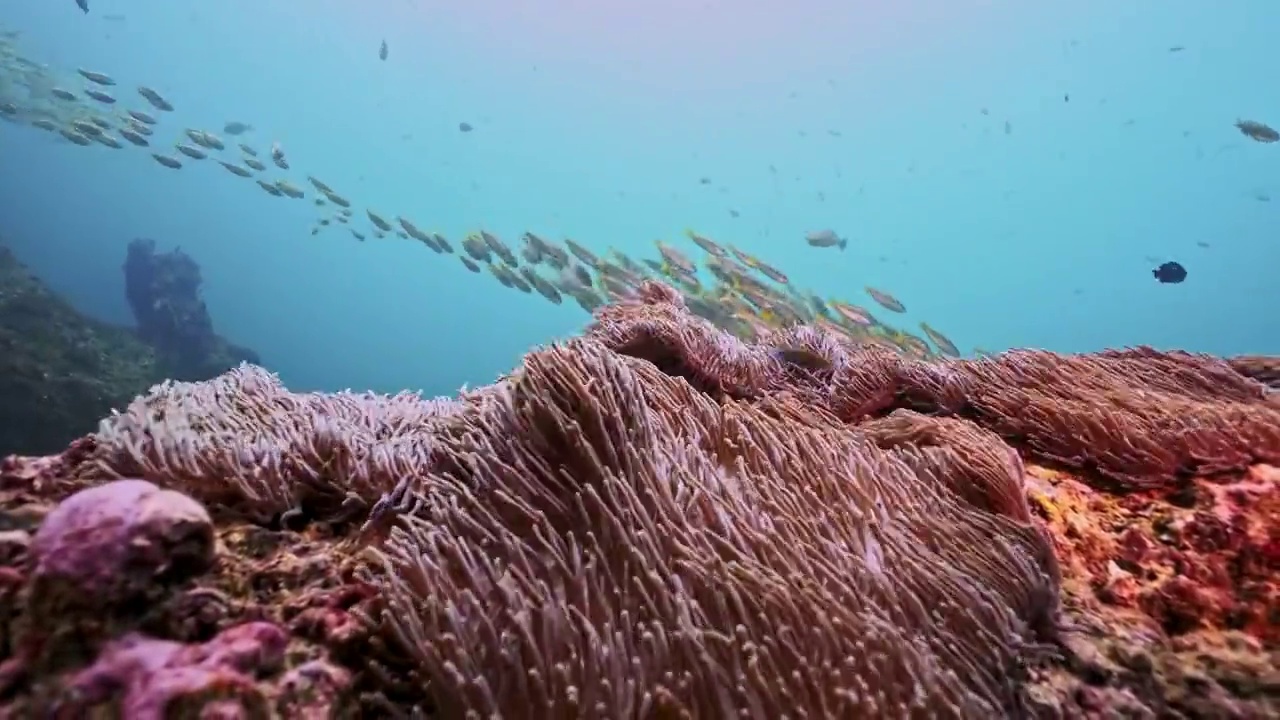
(149, 679)
(108, 545)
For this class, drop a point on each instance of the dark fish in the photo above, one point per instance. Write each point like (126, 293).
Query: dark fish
(1255, 130)
(1170, 272)
(465, 127)
(382, 51)
(83, 5)
(804, 359)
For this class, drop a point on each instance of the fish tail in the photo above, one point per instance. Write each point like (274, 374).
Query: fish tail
(844, 242)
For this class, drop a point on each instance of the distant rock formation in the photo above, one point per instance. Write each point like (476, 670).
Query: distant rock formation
(62, 371)
(163, 290)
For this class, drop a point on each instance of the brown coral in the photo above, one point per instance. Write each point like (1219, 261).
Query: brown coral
(1139, 416)
(581, 553)
(660, 517)
(1263, 368)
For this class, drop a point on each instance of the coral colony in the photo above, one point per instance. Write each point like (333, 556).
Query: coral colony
(659, 520)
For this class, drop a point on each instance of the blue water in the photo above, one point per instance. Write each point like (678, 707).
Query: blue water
(599, 125)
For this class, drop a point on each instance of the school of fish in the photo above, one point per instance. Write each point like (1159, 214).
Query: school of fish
(733, 289)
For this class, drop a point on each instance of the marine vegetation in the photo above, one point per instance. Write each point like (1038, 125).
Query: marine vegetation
(658, 519)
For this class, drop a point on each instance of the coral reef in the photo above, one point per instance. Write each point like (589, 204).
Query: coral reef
(659, 520)
(59, 371)
(163, 290)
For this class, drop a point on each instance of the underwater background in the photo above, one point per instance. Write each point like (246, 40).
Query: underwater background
(1012, 172)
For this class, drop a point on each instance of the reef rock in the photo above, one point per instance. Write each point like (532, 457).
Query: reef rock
(659, 520)
(164, 293)
(60, 371)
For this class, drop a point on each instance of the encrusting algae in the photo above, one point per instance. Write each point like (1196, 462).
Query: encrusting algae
(658, 519)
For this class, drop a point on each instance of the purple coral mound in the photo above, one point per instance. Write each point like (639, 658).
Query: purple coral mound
(153, 679)
(109, 545)
(102, 569)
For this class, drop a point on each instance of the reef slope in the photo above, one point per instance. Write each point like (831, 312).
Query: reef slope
(658, 520)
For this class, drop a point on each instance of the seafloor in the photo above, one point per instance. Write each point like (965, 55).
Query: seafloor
(657, 521)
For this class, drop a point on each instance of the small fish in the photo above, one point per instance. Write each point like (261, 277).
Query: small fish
(706, 243)
(44, 124)
(248, 150)
(141, 129)
(474, 246)
(914, 346)
(383, 51)
(254, 163)
(134, 137)
(205, 140)
(499, 248)
(74, 136)
(357, 235)
(442, 242)
(100, 122)
(269, 188)
(277, 156)
(584, 256)
(886, 300)
(1170, 272)
(167, 160)
(465, 127)
(674, 260)
(192, 152)
(105, 139)
(804, 359)
(85, 127)
(156, 99)
(1254, 130)
(234, 169)
(63, 94)
(83, 5)
(97, 77)
(236, 127)
(942, 341)
(378, 221)
(142, 117)
(288, 189)
(337, 199)
(469, 264)
(825, 238)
